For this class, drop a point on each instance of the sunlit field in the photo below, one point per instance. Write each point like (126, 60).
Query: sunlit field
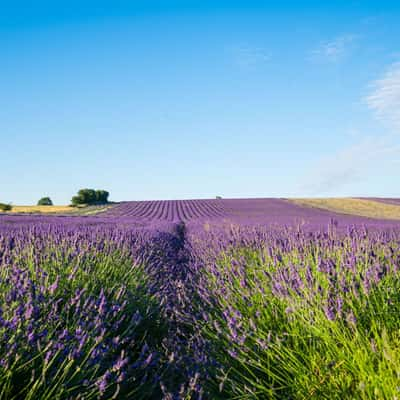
(217, 307)
(364, 207)
(41, 209)
(199, 200)
(57, 209)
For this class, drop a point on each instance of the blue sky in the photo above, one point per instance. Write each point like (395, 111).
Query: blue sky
(163, 100)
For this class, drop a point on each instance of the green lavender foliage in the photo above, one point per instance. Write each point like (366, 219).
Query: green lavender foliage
(75, 319)
(319, 321)
(91, 308)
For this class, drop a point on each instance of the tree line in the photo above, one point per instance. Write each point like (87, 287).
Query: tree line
(90, 196)
(83, 197)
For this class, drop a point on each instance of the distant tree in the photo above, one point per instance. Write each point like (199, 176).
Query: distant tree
(102, 196)
(5, 207)
(45, 201)
(77, 200)
(85, 196)
(218, 197)
(90, 196)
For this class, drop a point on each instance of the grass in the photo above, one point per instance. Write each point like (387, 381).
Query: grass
(42, 209)
(360, 207)
(65, 209)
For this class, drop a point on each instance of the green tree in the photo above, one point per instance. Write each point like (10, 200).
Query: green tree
(5, 207)
(90, 196)
(45, 201)
(102, 196)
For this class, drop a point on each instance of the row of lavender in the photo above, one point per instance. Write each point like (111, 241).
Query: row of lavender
(297, 314)
(242, 210)
(90, 308)
(96, 308)
(169, 210)
(239, 211)
(74, 311)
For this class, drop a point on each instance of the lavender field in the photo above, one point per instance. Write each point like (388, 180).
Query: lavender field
(200, 299)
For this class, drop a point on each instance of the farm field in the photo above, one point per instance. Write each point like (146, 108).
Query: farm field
(87, 210)
(263, 210)
(145, 253)
(41, 209)
(257, 211)
(383, 200)
(365, 207)
(200, 299)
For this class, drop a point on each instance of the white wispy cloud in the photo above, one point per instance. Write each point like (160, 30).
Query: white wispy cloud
(355, 162)
(335, 49)
(247, 56)
(384, 100)
(349, 165)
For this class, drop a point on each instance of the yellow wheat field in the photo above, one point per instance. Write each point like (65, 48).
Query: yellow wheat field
(361, 207)
(85, 210)
(42, 209)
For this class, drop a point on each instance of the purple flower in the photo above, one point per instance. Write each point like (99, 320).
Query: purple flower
(121, 362)
(148, 360)
(54, 286)
(103, 382)
(233, 353)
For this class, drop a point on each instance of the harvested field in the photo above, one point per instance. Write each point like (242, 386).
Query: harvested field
(361, 207)
(65, 209)
(42, 209)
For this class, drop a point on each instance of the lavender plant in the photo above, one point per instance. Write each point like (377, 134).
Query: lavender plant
(122, 307)
(75, 316)
(300, 315)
